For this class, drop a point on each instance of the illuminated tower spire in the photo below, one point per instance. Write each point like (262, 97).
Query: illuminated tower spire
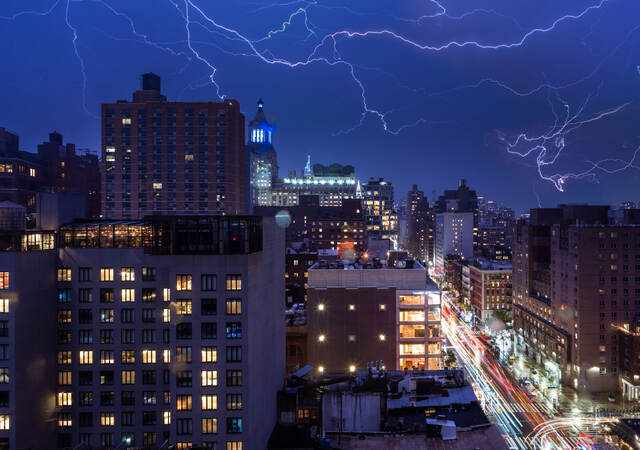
(307, 168)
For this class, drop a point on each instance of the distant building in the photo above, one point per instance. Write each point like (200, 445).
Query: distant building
(370, 312)
(419, 239)
(57, 167)
(263, 159)
(296, 274)
(454, 235)
(164, 157)
(491, 288)
(462, 199)
(381, 219)
(332, 184)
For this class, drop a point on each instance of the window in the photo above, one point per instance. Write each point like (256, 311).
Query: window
(85, 316)
(166, 294)
(209, 377)
(209, 330)
(85, 274)
(166, 356)
(183, 402)
(183, 354)
(184, 330)
(148, 356)
(64, 357)
(233, 330)
(166, 417)
(127, 295)
(234, 424)
(64, 274)
(106, 336)
(127, 419)
(127, 315)
(234, 377)
(106, 377)
(64, 399)
(209, 402)
(64, 295)
(234, 402)
(234, 353)
(107, 419)
(149, 398)
(4, 305)
(4, 352)
(86, 398)
(234, 445)
(106, 357)
(64, 316)
(148, 274)
(128, 356)
(184, 378)
(183, 307)
(234, 306)
(85, 295)
(209, 307)
(106, 274)
(148, 377)
(85, 337)
(149, 418)
(4, 280)
(209, 425)
(234, 283)
(148, 295)
(166, 315)
(183, 282)
(128, 376)
(86, 420)
(184, 426)
(85, 356)
(106, 316)
(209, 354)
(207, 282)
(127, 274)
(64, 378)
(106, 295)
(4, 375)
(64, 337)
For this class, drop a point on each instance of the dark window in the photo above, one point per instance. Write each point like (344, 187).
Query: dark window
(86, 419)
(86, 398)
(107, 398)
(85, 337)
(64, 337)
(85, 295)
(148, 418)
(106, 336)
(234, 377)
(184, 378)
(184, 330)
(208, 282)
(209, 330)
(85, 377)
(127, 315)
(106, 295)
(128, 336)
(148, 315)
(148, 377)
(234, 330)
(128, 398)
(209, 307)
(4, 399)
(148, 274)
(184, 426)
(64, 295)
(148, 295)
(106, 377)
(234, 354)
(149, 336)
(85, 316)
(85, 274)
(128, 418)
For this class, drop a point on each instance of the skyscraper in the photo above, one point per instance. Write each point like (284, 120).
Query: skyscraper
(164, 157)
(381, 218)
(419, 219)
(262, 158)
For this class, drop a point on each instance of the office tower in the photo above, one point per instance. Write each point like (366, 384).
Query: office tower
(170, 332)
(163, 157)
(454, 232)
(263, 159)
(372, 312)
(381, 218)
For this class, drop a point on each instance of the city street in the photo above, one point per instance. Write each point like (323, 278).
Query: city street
(525, 420)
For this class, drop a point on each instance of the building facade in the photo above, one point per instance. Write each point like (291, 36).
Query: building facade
(164, 157)
(490, 289)
(263, 159)
(454, 234)
(362, 315)
(419, 240)
(381, 219)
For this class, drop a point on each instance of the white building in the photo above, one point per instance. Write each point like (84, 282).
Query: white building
(453, 236)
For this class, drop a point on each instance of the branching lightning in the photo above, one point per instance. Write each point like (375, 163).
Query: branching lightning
(325, 50)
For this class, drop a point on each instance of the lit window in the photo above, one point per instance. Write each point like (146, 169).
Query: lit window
(352, 307)
(382, 307)
(128, 376)
(126, 121)
(209, 402)
(352, 338)
(64, 399)
(127, 274)
(183, 282)
(321, 307)
(234, 445)
(234, 306)
(209, 377)
(166, 356)
(106, 274)
(4, 375)
(85, 356)
(148, 356)
(64, 378)
(64, 419)
(128, 295)
(64, 274)
(32, 172)
(166, 417)
(183, 402)
(157, 186)
(4, 305)
(107, 419)
(209, 425)
(183, 307)
(166, 315)
(209, 354)
(106, 357)
(234, 283)
(321, 338)
(382, 337)
(166, 294)
(4, 280)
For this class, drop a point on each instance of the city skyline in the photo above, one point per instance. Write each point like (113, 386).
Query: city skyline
(462, 118)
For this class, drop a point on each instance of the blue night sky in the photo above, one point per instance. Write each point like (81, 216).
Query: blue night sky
(452, 91)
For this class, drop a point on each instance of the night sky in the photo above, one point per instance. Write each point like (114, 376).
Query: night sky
(450, 111)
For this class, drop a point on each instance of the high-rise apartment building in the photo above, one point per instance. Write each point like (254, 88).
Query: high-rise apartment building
(490, 290)
(163, 157)
(462, 199)
(419, 239)
(454, 234)
(575, 291)
(170, 332)
(364, 313)
(381, 219)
